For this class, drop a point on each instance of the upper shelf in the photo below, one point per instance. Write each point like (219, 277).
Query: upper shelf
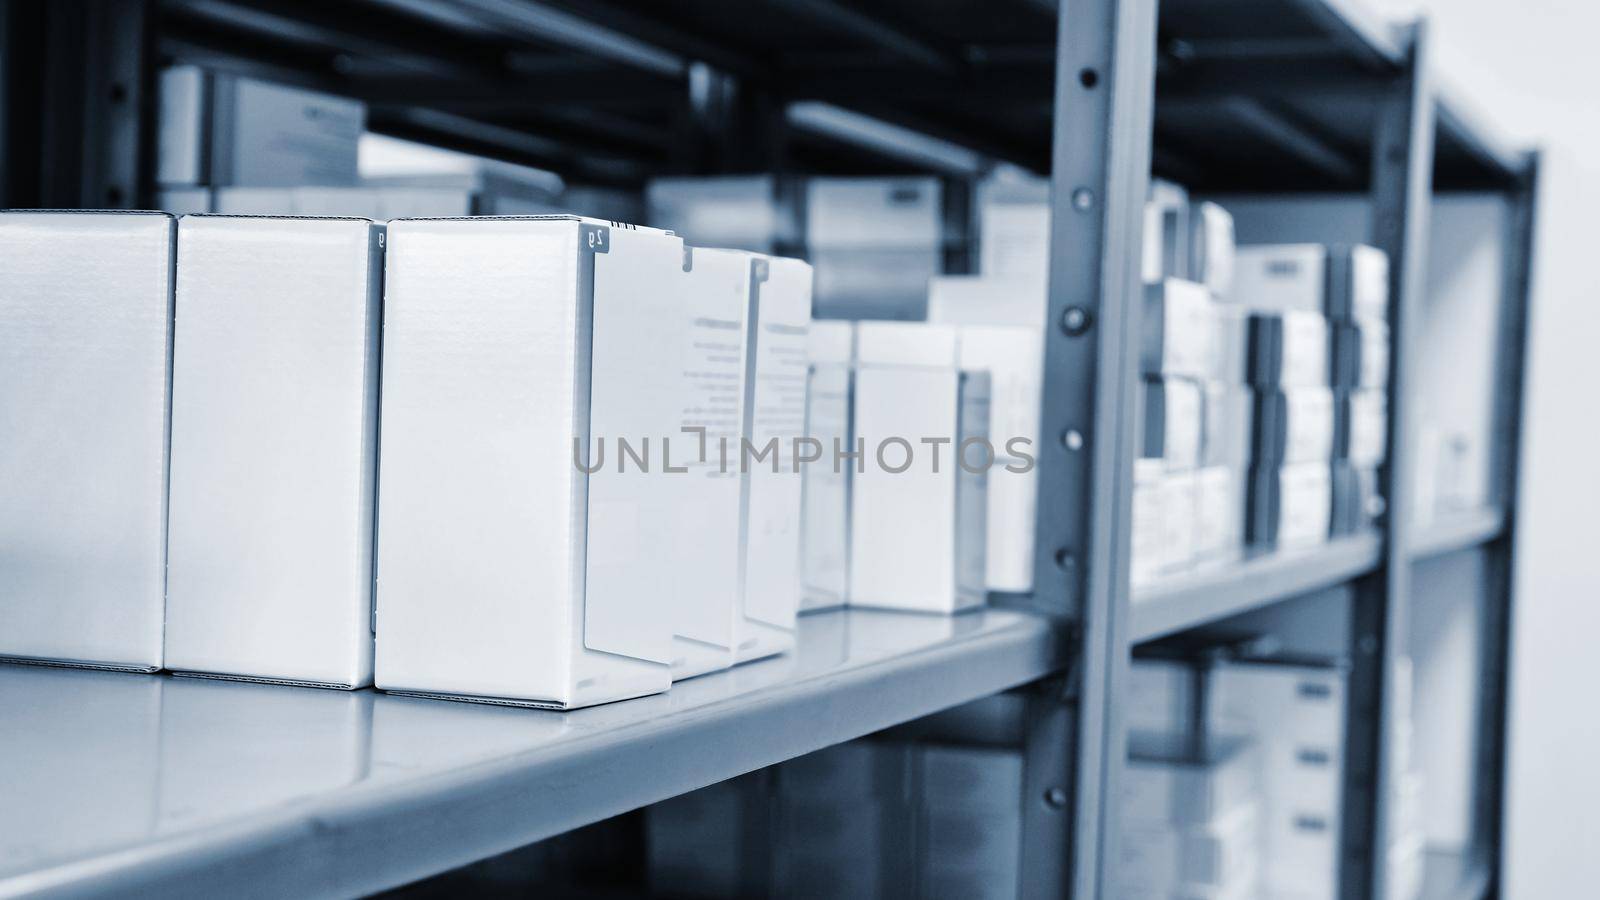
(118, 784)
(1252, 94)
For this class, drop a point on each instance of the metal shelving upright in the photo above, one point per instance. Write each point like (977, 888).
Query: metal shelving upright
(1223, 95)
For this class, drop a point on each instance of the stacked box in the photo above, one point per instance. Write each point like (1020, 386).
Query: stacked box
(735, 211)
(919, 489)
(86, 348)
(1013, 356)
(1189, 818)
(825, 481)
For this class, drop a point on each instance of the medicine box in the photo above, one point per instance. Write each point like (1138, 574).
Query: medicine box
(274, 449)
(218, 129)
(1289, 507)
(86, 298)
(521, 550)
(1360, 354)
(1178, 330)
(1341, 282)
(1171, 422)
(825, 481)
(1013, 356)
(1289, 349)
(1363, 426)
(919, 491)
(1296, 425)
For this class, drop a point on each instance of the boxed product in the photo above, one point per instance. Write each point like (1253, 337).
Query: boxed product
(1227, 425)
(184, 201)
(1164, 781)
(1180, 509)
(919, 492)
(1014, 228)
(1166, 232)
(1178, 330)
(825, 481)
(1289, 506)
(1211, 247)
(220, 129)
(1360, 353)
(275, 374)
(1159, 856)
(1014, 357)
(1296, 425)
(1341, 282)
(736, 211)
(1219, 505)
(1146, 548)
(774, 423)
(1363, 427)
(1232, 338)
(986, 300)
(86, 298)
(1288, 349)
(875, 243)
(1357, 498)
(519, 561)
(1171, 422)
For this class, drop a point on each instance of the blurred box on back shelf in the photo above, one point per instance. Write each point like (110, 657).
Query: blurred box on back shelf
(1361, 353)
(1289, 507)
(1166, 244)
(986, 300)
(87, 301)
(1293, 426)
(217, 128)
(1014, 228)
(1178, 330)
(1166, 780)
(1357, 498)
(1363, 427)
(1220, 513)
(519, 559)
(1012, 355)
(1288, 349)
(918, 492)
(734, 211)
(1211, 248)
(1341, 282)
(1171, 422)
(1228, 425)
(875, 243)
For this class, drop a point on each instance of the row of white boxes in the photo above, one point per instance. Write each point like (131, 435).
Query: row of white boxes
(869, 818)
(1263, 411)
(190, 474)
(928, 435)
(1247, 803)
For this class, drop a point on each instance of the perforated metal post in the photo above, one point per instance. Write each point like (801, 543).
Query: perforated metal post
(1100, 168)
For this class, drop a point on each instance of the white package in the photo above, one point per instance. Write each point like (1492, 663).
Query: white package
(1291, 506)
(1219, 509)
(1211, 247)
(986, 300)
(512, 348)
(1341, 282)
(1296, 425)
(1178, 331)
(825, 481)
(1014, 358)
(274, 445)
(86, 350)
(223, 129)
(738, 211)
(917, 535)
(1365, 427)
(1171, 421)
(1146, 548)
(1180, 507)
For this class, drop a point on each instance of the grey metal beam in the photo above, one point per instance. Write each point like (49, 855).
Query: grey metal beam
(1104, 88)
(1294, 139)
(1402, 168)
(1500, 593)
(894, 39)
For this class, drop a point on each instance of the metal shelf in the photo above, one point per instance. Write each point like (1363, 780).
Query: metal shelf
(1461, 530)
(1182, 602)
(1454, 875)
(126, 784)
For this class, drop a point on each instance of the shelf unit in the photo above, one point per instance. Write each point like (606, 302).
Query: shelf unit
(1252, 96)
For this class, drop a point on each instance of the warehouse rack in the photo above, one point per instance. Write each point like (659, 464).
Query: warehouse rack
(1258, 96)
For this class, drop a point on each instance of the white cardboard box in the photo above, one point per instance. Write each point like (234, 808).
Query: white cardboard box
(506, 571)
(1291, 348)
(1228, 425)
(1014, 357)
(1163, 784)
(274, 446)
(1211, 247)
(825, 481)
(1172, 422)
(736, 211)
(1291, 506)
(1180, 507)
(1339, 281)
(222, 129)
(774, 416)
(1363, 427)
(86, 299)
(1166, 232)
(986, 300)
(917, 536)
(1219, 505)
(1149, 512)
(1297, 425)
(1178, 330)
(1361, 354)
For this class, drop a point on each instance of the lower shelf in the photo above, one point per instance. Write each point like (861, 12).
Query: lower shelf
(1181, 602)
(133, 784)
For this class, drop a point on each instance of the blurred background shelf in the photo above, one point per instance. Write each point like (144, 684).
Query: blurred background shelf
(1180, 602)
(119, 784)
